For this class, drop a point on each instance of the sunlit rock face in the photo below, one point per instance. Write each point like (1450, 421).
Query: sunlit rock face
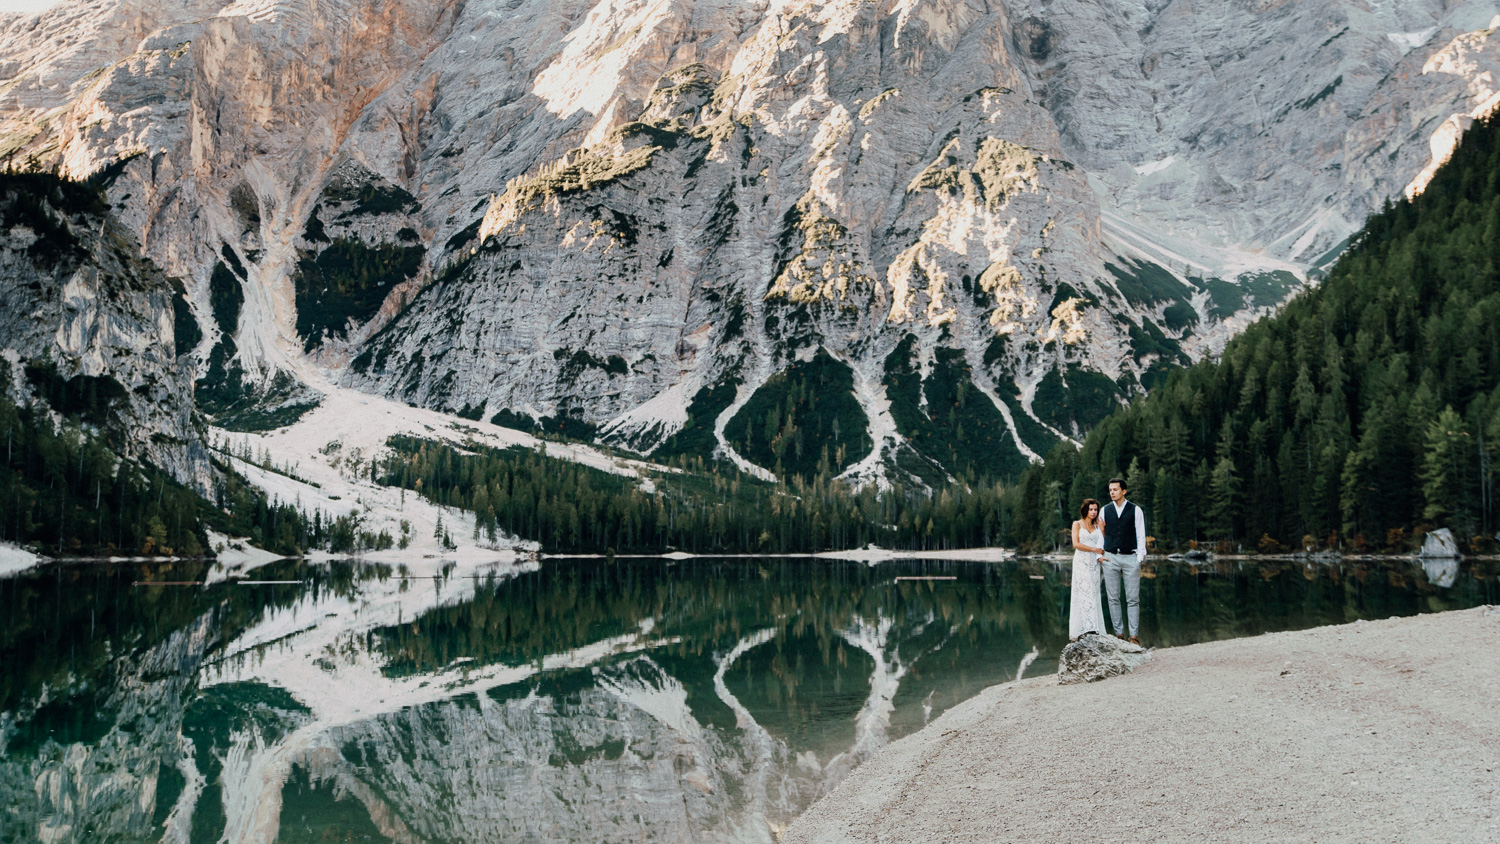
(1267, 127)
(842, 177)
(596, 210)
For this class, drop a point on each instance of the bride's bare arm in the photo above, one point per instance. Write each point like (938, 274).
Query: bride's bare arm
(1078, 543)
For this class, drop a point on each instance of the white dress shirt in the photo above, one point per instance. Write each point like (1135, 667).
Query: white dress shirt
(1140, 529)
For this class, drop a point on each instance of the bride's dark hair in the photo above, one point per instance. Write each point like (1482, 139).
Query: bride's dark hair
(1083, 509)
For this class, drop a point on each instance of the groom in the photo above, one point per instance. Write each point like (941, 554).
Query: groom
(1124, 551)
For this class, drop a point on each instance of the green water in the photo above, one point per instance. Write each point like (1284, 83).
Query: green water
(571, 700)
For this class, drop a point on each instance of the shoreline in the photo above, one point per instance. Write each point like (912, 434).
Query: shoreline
(1375, 730)
(993, 554)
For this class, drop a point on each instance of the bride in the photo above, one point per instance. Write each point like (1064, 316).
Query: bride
(1087, 612)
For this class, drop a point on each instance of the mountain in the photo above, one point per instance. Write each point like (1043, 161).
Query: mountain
(939, 236)
(92, 327)
(1361, 416)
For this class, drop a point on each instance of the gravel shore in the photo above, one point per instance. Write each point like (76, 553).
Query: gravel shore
(1372, 731)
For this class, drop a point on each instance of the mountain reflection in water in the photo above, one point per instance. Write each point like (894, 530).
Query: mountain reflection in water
(571, 700)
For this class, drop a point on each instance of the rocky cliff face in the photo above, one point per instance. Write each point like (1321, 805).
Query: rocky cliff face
(627, 219)
(90, 327)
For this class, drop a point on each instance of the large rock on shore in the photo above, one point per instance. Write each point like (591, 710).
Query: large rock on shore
(1094, 657)
(1440, 544)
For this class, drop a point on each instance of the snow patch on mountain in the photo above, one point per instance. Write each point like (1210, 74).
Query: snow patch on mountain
(322, 463)
(882, 430)
(647, 425)
(1409, 41)
(1151, 167)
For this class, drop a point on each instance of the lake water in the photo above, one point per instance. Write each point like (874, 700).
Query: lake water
(568, 700)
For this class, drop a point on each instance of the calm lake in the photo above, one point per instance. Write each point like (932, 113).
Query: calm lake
(565, 700)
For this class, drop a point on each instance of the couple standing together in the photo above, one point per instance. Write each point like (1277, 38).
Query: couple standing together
(1110, 541)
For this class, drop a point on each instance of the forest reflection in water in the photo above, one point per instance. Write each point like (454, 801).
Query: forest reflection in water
(584, 699)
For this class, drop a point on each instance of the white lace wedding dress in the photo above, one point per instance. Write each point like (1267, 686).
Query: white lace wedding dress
(1086, 613)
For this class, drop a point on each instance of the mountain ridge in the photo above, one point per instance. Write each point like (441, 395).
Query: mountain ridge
(1109, 190)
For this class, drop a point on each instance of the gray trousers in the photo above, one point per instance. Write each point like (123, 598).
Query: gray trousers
(1116, 568)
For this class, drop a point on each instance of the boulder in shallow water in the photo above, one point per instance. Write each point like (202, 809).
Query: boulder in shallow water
(1440, 543)
(1094, 657)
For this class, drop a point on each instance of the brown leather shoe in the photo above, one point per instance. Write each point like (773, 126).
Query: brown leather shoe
(1134, 640)
(1119, 635)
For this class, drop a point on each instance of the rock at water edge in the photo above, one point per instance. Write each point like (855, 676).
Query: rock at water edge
(1094, 657)
(1441, 571)
(1440, 543)
(15, 559)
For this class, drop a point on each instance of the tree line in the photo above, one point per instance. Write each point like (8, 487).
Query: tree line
(65, 489)
(1364, 413)
(706, 507)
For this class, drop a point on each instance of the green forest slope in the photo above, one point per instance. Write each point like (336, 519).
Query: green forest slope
(1363, 413)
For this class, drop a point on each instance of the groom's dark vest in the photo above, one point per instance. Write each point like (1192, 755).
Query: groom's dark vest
(1119, 531)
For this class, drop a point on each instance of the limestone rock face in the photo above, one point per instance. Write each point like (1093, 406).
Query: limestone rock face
(82, 313)
(1094, 657)
(1268, 128)
(838, 184)
(234, 118)
(598, 210)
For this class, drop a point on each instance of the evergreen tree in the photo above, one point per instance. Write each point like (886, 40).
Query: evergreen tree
(1223, 499)
(1442, 479)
